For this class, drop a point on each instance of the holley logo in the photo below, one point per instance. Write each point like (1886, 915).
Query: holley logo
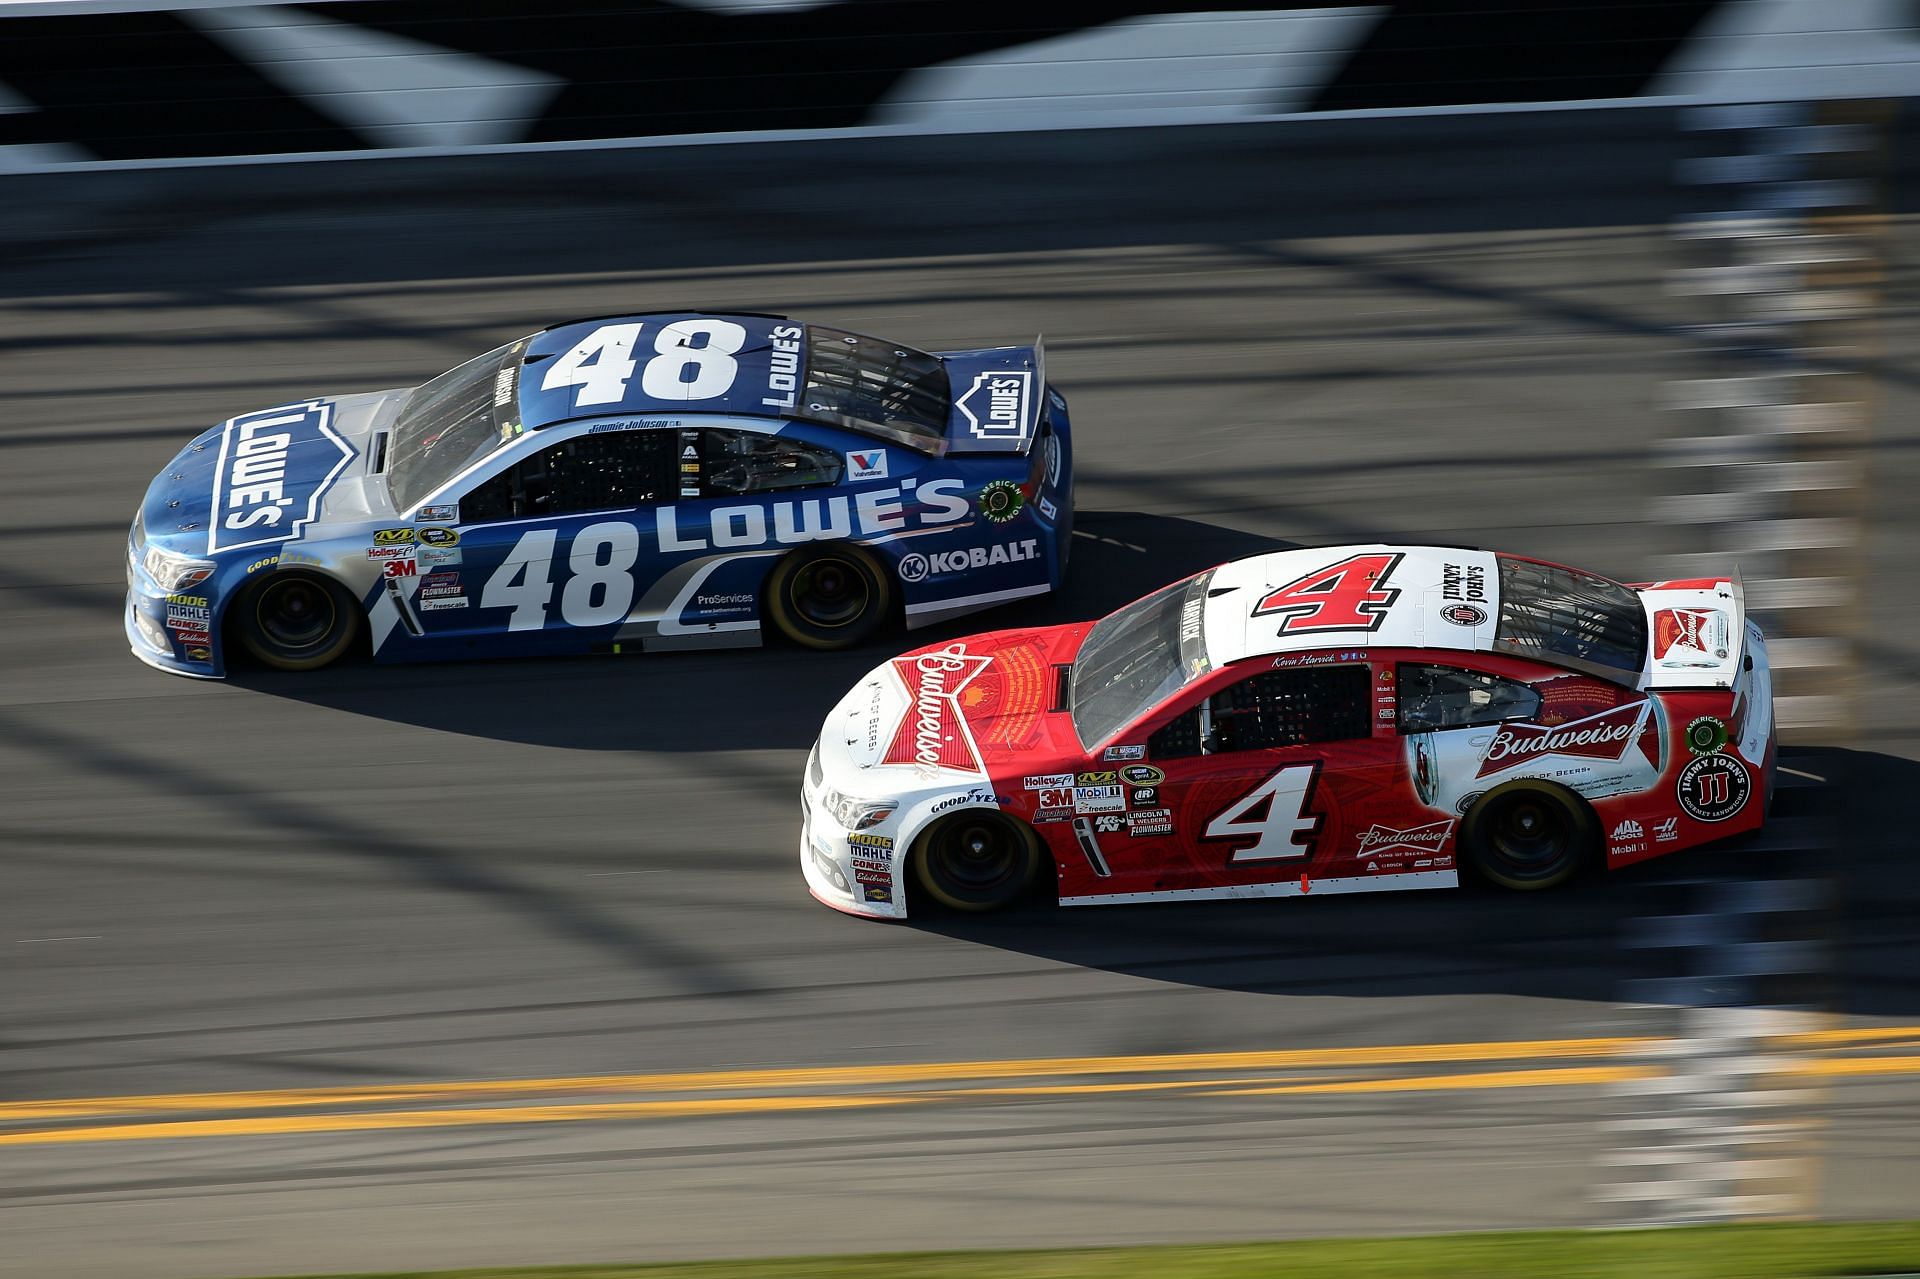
(995, 406)
(934, 733)
(1603, 736)
(1429, 838)
(275, 466)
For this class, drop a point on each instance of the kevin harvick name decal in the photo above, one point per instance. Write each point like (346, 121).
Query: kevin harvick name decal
(275, 466)
(934, 733)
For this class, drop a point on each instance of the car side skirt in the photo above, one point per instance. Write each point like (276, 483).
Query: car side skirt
(1283, 888)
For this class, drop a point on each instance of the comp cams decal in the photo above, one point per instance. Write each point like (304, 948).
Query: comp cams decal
(275, 466)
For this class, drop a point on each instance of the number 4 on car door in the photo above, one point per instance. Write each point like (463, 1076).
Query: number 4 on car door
(1281, 827)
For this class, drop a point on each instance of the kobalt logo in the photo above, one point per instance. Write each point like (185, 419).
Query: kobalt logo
(874, 513)
(1422, 839)
(934, 733)
(916, 567)
(1603, 736)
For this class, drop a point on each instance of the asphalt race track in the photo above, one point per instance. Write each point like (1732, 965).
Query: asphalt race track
(387, 881)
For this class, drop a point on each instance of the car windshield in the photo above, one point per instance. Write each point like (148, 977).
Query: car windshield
(876, 388)
(1569, 618)
(1135, 658)
(451, 422)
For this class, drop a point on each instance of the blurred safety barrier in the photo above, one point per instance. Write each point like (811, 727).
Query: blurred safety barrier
(136, 82)
(1786, 262)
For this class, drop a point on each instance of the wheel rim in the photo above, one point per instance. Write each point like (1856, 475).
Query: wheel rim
(976, 858)
(830, 592)
(296, 615)
(1527, 836)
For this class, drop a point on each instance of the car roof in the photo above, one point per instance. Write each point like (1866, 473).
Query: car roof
(767, 366)
(1352, 597)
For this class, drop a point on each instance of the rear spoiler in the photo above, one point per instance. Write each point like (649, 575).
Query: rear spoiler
(999, 398)
(1697, 631)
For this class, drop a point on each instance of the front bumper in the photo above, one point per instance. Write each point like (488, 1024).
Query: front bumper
(828, 866)
(171, 632)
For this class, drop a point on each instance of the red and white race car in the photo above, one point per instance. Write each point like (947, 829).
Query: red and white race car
(1334, 720)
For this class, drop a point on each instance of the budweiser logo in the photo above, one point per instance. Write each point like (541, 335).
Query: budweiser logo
(1603, 736)
(934, 734)
(1421, 839)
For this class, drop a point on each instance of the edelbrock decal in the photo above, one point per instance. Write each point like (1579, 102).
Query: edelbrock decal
(995, 406)
(275, 466)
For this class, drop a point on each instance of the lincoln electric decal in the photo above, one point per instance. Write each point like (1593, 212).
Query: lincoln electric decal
(275, 467)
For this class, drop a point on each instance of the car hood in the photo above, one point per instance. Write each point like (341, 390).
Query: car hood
(262, 478)
(959, 713)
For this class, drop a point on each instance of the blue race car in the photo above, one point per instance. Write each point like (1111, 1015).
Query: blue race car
(630, 483)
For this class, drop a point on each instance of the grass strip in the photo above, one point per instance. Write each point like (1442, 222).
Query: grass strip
(1770, 1251)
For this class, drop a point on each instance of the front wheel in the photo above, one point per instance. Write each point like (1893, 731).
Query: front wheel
(828, 597)
(297, 622)
(1529, 836)
(976, 860)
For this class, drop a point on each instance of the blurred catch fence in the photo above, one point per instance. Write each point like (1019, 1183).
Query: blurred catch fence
(138, 83)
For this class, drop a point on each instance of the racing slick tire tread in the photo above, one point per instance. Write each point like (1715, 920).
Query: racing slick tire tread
(794, 586)
(950, 866)
(1529, 836)
(254, 633)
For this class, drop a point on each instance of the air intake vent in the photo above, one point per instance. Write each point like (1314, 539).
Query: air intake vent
(1062, 689)
(379, 463)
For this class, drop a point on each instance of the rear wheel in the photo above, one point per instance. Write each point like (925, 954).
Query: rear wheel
(1529, 836)
(828, 597)
(297, 621)
(976, 860)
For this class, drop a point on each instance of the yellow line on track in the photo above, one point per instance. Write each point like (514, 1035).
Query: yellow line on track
(1235, 1074)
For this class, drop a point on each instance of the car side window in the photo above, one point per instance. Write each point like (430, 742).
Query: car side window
(1290, 708)
(610, 471)
(736, 463)
(1434, 697)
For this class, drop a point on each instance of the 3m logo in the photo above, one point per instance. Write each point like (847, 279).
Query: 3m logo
(1349, 596)
(935, 734)
(1629, 829)
(1603, 736)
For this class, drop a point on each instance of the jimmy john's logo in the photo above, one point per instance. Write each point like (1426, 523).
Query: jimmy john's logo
(995, 406)
(934, 733)
(274, 467)
(1603, 736)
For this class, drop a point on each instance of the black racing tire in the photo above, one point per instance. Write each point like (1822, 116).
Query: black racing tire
(828, 597)
(1529, 836)
(297, 621)
(977, 859)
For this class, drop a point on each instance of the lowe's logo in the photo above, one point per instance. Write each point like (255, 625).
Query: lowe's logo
(995, 406)
(275, 466)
